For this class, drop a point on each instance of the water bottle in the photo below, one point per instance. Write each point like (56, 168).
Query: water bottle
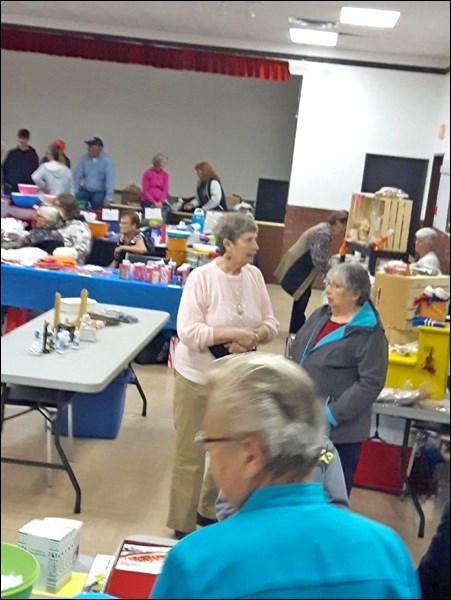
(199, 218)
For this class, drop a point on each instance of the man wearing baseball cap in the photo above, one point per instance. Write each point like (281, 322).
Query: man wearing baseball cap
(94, 175)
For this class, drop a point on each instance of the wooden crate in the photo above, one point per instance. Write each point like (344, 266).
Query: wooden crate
(393, 296)
(381, 213)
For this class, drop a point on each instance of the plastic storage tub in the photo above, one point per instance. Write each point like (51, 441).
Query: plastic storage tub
(19, 562)
(24, 200)
(99, 415)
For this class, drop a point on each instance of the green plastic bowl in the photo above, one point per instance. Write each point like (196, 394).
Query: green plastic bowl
(18, 561)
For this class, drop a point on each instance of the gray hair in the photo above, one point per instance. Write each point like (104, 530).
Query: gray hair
(267, 394)
(427, 234)
(158, 159)
(231, 226)
(50, 214)
(355, 279)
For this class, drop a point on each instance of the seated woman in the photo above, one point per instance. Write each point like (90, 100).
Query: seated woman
(155, 186)
(428, 261)
(209, 193)
(130, 239)
(45, 234)
(76, 233)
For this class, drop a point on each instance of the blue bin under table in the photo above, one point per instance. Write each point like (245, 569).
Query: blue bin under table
(99, 415)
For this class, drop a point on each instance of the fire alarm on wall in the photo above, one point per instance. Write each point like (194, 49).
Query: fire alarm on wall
(441, 131)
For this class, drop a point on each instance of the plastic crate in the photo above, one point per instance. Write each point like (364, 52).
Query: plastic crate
(99, 415)
(382, 213)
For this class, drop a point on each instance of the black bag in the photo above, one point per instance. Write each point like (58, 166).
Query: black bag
(218, 350)
(155, 353)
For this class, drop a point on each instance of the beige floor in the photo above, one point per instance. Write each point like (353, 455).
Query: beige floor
(125, 481)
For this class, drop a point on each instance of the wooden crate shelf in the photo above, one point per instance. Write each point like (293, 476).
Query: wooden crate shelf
(371, 216)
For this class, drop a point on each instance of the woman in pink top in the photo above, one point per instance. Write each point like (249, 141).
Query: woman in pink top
(225, 308)
(155, 183)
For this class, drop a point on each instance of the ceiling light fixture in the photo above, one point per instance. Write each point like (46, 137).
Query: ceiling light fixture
(224, 8)
(369, 17)
(312, 32)
(250, 11)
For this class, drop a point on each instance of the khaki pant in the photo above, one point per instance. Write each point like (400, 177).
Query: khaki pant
(188, 482)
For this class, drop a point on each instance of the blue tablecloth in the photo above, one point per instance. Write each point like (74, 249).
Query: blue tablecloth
(34, 289)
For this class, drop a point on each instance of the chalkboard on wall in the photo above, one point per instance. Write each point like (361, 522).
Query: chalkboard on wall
(271, 203)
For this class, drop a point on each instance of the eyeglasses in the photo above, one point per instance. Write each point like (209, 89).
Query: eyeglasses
(333, 285)
(201, 438)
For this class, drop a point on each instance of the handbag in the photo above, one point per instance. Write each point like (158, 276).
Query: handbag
(219, 350)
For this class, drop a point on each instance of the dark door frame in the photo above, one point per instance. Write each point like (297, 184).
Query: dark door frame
(433, 190)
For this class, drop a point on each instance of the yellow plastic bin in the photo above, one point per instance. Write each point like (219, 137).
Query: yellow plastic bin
(429, 366)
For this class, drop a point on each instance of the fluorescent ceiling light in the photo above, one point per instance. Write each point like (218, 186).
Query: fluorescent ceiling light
(369, 17)
(313, 37)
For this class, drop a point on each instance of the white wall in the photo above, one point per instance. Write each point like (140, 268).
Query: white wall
(442, 146)
(244, 127)
(347, 112)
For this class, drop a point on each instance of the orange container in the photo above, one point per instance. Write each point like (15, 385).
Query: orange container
(179, 257)
(177, 243)
(435, 310)
(99, 229)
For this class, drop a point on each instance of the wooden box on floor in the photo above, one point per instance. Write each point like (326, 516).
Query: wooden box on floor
(382, 213)
(393, 296)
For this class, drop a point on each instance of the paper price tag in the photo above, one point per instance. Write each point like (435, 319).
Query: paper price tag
(153, 213)
(110, 214)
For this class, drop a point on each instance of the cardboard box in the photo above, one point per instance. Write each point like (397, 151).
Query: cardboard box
(99, 573)
(393, 296)
(54, 542)
(137, 567)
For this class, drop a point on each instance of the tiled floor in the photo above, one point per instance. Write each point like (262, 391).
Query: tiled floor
(125, 481)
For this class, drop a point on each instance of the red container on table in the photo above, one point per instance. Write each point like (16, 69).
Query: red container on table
(135, 574)
(138, 271)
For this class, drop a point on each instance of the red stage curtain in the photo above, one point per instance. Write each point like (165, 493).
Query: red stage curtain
(140, 53)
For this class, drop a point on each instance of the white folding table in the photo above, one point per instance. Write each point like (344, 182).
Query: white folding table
(50, 380)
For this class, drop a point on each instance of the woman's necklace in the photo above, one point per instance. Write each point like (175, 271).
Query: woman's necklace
(239, 303)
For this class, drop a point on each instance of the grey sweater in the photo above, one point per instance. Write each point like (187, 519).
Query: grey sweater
(348, 367)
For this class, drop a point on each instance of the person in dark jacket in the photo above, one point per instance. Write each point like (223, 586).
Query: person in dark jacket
(19, 164)
(433, 569)
(209, 193)
(45, 234)
(306, 259)
(343, 348)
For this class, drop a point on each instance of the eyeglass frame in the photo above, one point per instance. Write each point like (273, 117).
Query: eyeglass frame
(333, 285)
(200, 438)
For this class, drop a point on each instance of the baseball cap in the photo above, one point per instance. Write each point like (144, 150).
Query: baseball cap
(59, 144)
(94, 141)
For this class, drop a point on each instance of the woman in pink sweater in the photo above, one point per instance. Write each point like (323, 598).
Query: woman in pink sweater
(155, 183)
(225, 308)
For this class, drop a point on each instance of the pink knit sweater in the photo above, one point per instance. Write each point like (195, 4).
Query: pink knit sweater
(210, 299)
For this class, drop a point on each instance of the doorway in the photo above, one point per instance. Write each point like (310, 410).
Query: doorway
(433, 190)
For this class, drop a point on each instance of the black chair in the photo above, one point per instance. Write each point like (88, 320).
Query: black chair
(50, 245)
(134, 258)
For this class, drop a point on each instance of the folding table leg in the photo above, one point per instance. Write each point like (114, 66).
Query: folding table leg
(140, 390)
